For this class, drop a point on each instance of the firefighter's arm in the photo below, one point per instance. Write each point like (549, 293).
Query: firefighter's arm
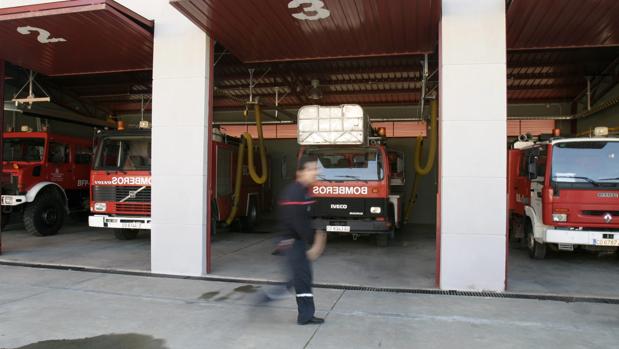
(320, 241)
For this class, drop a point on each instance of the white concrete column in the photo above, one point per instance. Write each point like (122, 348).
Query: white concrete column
(181, 69)
(473, 117)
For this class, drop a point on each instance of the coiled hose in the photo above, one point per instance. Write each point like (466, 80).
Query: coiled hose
(421, 171)
(248, 142)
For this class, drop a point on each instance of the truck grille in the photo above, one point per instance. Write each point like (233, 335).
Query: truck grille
(350, 208)
(118, 194)
(599, 213)
(133, 208)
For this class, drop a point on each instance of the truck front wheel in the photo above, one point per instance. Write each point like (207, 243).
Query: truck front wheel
(126, 234)
(45, 215)
(536, 250)
(5, 220)
(249, 221)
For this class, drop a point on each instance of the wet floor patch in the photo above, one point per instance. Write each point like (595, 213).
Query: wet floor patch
(209, 295)
(246, 289)
(128, 340)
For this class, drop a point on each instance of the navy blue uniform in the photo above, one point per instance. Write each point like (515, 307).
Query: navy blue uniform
(294, 207)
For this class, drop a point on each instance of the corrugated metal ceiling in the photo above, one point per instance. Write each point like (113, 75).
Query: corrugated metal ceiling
(270, 30)
(76, 37)
(369, 28)
(535, 24)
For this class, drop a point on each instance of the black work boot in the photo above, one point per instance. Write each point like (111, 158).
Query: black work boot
(313, 321)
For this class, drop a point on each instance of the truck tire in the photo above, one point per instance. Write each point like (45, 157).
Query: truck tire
(536, 250)
(126, 234)
(391, 213)
(44, 216)
(249, 221)
(214, 215)
(5, 220)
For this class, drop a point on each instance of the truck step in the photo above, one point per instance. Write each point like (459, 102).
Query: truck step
(566, 247)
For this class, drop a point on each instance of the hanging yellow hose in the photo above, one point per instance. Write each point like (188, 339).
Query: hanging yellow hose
(248, 142)
(423, 170)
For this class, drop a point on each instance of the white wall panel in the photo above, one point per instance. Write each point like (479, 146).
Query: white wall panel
(474, 91)
(473, 128)
(475, 32)
(478, 153)
(180, 138)
(473, 254)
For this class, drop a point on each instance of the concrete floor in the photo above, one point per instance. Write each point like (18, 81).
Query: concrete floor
(572, 273)
(42, 309)
(76, 244)
(407, 263)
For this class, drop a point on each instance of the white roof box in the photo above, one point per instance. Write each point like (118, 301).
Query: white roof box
(344, 124)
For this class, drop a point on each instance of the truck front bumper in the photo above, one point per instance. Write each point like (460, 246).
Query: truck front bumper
(119, 222)
(352, 226)
(582, 237)
(13, 200)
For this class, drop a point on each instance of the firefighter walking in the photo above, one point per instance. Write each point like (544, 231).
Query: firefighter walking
(304, 244)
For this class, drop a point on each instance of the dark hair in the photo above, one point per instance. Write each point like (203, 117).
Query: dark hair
(304, 160)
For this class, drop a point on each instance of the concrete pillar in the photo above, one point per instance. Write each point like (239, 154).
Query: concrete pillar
(181, 134)
(1, 128)
(473, 117)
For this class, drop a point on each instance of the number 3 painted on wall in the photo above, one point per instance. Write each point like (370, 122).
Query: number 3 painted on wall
(317, 7)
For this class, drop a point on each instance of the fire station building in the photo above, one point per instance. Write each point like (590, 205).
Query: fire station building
(496, 69)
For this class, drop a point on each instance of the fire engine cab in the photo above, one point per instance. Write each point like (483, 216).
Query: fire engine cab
(564, 193)
(353, 193)
(121, 183)
(48, 178)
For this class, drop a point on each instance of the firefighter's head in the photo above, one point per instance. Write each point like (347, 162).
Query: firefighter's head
(307, 170)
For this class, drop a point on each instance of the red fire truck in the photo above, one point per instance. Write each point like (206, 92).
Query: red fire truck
(564, 193)
(48, 178)
(253, 198)
(353, 193)
(121, 183)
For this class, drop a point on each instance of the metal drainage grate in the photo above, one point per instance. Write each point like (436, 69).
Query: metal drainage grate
(425, 291)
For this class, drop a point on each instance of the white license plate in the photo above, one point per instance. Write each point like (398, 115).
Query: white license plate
(339, 228)
(131, 225)
(607, 242)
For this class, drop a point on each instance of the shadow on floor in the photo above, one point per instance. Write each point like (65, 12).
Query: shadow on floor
(130, 340)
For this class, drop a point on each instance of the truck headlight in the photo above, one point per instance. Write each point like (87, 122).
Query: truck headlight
(8, 200)
(559, 217)
(375, 209)
(100, 206)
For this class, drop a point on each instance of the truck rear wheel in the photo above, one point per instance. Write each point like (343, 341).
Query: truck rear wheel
(536, 249)
(45, 215)
(126, 234)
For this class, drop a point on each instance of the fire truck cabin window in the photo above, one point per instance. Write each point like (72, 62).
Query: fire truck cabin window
(24, 149)
(588, 163)
(82, 155)
(58, 153)
(125, 153)
(345, 164)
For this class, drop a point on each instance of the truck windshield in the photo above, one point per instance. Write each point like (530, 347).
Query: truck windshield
(594, 163)
(345, 164)
(124, 153)
(24, 149)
